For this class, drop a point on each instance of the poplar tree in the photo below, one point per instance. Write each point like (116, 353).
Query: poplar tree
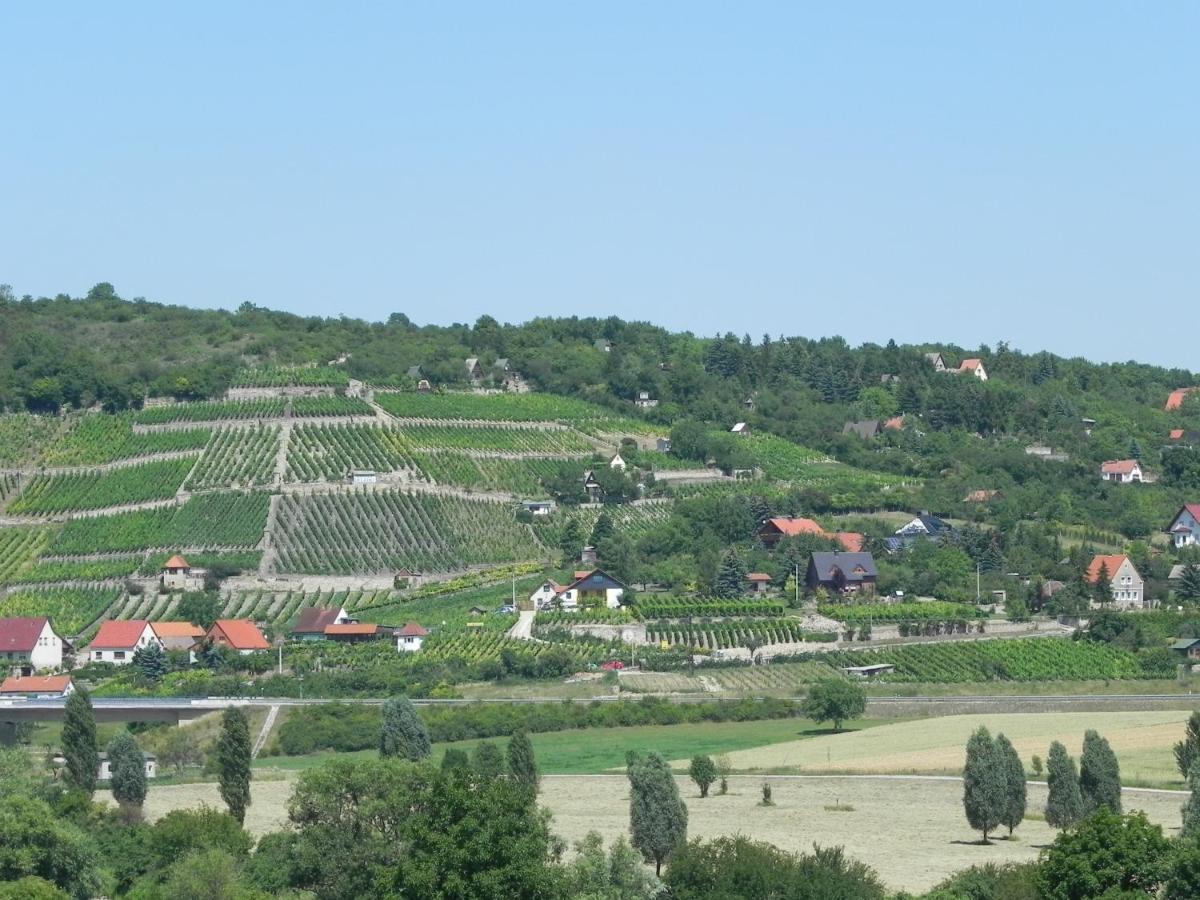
(233, 762)
(80, 748)
(1187, 750)
(1099, 775)
(657, 815)
(1064, 805)
(522, 764)
(985, 789)
(1014, 773)
(401, 731)
(128, 766)
(1191, 809)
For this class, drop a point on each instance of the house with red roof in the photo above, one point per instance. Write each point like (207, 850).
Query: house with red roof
(776, 528)
(1185, 527)
(1128, 588)
(1176, 397)
(37, 687)
(177, 574)
(117, 641)
(972, 367)
(1122, 471)
(410, 638)
(241, 635)
(29, 644)
(177, 635)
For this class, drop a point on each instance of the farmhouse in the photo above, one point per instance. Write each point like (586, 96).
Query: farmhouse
(1185, 527)
(37, 687)
(116, 642)
(1127, 585)
(1121, 471)
(410, 638)
(178, 575)
(972, 367)
(241, 635)
(594, 588)
(177, 635)
(313, 621)
(30, 644)
(842, 573)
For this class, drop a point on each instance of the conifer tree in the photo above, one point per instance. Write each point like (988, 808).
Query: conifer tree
(150, 661)
(1099, 775)
(985, 789)
(233, 762)
(455, 759)
(602, 530)
(128, 766)
(401, 731)
(657, 815)
(80, 747)
(522, 764)
(1102, 589)
(1064, 805)
(731, 576)
(1187, 750)
(1191, 809)
(1015, 793)
(488, 761)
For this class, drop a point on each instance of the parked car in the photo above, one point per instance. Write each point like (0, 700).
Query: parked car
(612, 665)
(507, 608)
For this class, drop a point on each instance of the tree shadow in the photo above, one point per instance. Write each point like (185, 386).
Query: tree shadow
(976, 843)
(821, 732)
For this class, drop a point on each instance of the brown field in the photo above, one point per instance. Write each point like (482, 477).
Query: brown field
(911, 831)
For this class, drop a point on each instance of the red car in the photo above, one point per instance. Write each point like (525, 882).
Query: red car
(612, 665)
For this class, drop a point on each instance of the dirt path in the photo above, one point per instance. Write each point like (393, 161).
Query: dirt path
(522, 629)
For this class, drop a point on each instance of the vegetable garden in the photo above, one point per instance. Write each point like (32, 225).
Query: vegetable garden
(49, 494)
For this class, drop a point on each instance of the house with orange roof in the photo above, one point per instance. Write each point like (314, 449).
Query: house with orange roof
(177, 574)
(776, 528)
(177, 635)
(241, 635)
(117, 641)
(1176, 397)
(759, 582)
(1122, 471)
(1128, 588)
(410, 638)
(37, 687)
(974, 367)
(356, 632)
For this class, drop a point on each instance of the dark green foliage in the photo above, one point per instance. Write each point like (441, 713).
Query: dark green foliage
(80, 747)
(35, 842)
(487, 760)
(1105, 853)
(834, 700)
(1014, 781)
(402, 733)
(1188, 587)
(1012, 881)
(1191, 809)
(150, 661)
(731, 576)
(1099, 775)
(985, 784)
(522, 764)
(272, 868)
(657, 816)
(1184, 880)
(199, 608)
(454, 758)
(184, 831)
(233, 762)
(1064, 805)
(1188, 750)
(737, 867)
(703, 771)
(128, 770)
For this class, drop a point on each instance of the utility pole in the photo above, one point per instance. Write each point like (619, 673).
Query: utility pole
(978, 596)
(514, 590)
(797, 585)
(281, 659)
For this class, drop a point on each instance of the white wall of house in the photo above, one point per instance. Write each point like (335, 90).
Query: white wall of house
(48, 653)
(1190, 537)
(544, 594)
(124, 655)
(1128, 588)
(409, 643)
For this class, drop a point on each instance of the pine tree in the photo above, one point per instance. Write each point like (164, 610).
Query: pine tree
(128, 766)
(488, 761)
(571, 540)
(1191, 809)
(401, 731)
(522, 764)
(1015, 794)
(1188, 750)
(1189, 584)
(1099, 775)
(233, 762)
(602, 530)
(985, 789)
(657, 815)
(731, 576)
(150, 661)
(1064, 805)
(80, 747)
(1102, 589)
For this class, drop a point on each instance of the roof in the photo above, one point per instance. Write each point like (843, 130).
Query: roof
(36, 684)
(352, 628)
(739, 427)
(758, 576)
(414, 371)
(596, 577)
(314, 620)
(1185, 644)
(242, 634)
(864, 429)
(826, 561)
(177, 629)
(117, 635)
(970, 365)
(412, 629)
(850, 540)
(1110, 563)
(1193, 508)
(1175, 433)
(176, 562)
(933, 357)
(895, 423)
(790, 526)
(472, 362)
(20, 635)
(1176, 397)
(1119, 466)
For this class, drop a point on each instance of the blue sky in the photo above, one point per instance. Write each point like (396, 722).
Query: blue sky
(922, 171)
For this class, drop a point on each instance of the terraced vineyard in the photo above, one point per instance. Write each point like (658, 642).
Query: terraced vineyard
(779, 458)
(98, 439)
(206, 520)
(652, 607)
(901, 612)
(316, 407)
(492, 407)
(291, 376)
(72, 609)
(243, 560)
(328, 452)
(49, 494)
(18, 548)
(723, 635)
(212, 411)
(383, 531)
(497, 438)
(23, 437)
(477, 648)
(237, 457)
(76, 570)
(525, 477)
(632, 521)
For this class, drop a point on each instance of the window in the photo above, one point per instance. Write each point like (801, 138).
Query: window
(118, 654)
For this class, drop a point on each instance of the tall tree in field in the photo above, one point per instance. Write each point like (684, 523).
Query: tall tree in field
(657, 815)
(233, 762)
(128, 766)
(985, 787)
(1014, 782)
(1099, 775)
(1064, 805)
(80, 748)
(703, 771)
(1188, 750)
(834, 700)
(522, 765)
(1191, 809)
(401, 732)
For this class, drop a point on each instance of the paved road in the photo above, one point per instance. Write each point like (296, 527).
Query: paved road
(522, 629)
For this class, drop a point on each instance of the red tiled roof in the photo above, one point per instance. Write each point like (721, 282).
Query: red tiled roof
(117, 635)
(758, 576)
(1119, 466)
(352, 628)
(412, 629)
(177, 630)
(583, 573)
(241, 634)
(1175, 434)
(176, 562)
(896, 423)
(970, 365)
(791, 526)
(851, 540)
(1176, 397)
(20, 635)
(1109, 563)
(36, 684)
(314, 620)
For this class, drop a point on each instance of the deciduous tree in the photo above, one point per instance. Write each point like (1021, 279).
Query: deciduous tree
(1099, 775)
(703, 771)
(985, 784)
(657, 816)
(402, 733)
(1064, 805)
(834, 700)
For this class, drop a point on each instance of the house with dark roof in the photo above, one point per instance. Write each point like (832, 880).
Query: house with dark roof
(241, 635)
(842, 573)
(865, 428)
(474, 370)
(1185, 527)
(922, 527)
(37, 687)
(936, 360)
(594, 588)
(1183, 437)
(29, 644)
(117, 641)
(313, 621)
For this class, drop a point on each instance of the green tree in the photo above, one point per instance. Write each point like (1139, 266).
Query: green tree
(703, 771)
(1099, 775)
(201, 609)
(1184, 880)
(487, 760)
(34, 842)
(1191, 809)
(455, 758)
(602, 530)
(985, 784)
(180, 749)
(657, 816)
(1104, 855)
(1188, 587)
(184, 831)
(80, 747)
(128, 766)
(1064, 805)
(233, 762)
(31, 888)
(731, 576)
(834, 700)
(402, 733)
(1102, 589)
(150, 661)
(1014, 781)
(522, 764)
(616, 875)
(571, 540)
(1188, 750)
(204, 875)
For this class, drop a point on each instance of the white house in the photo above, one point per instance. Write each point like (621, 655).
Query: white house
(116, 642)
(973, 367)
(617, 462)
(104, 773)
(1122, 471)
(1185, 527)
(410, 638)
(29, 644)
(741, 429)
(545, 594)
(178, 575)
(935, 360)
(594, 588)
(1127, 585)
(645, 401)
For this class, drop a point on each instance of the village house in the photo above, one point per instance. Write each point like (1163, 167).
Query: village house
(741, 429)
(241, 635)
(178, 575)
(645, 401)
(662, 445)
(865, 429)
(543, 596)
(594, 588)
(592, 487)
(410, 638)
(474, 370)
(1185, 527)
(356, 632)
(1189, 648)
(177, 635)
(972, 367)
(29, 644)
(920, 527)
(759, 582)
(842, 573)
(538, 507)
(104, 773)
(117, 641)
(1122, 471)
(313, 621)
(617, 463)
(1176, 397)
(37, 687)
(936, 360)
(774, 529)
(1126, 584)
